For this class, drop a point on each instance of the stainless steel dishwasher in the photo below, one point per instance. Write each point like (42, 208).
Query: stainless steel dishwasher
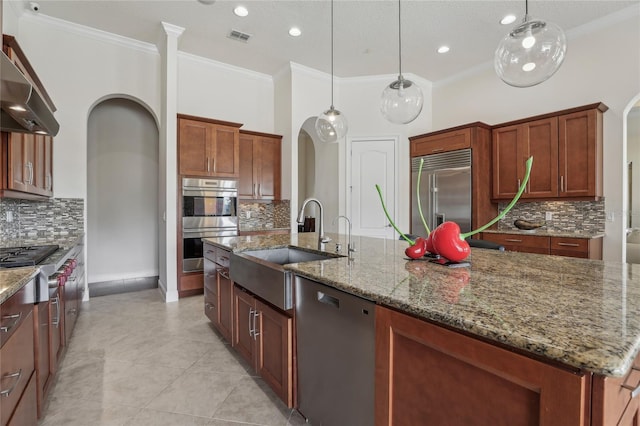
(336, 355)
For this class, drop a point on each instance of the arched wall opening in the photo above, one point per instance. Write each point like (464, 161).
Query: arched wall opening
(122, 197)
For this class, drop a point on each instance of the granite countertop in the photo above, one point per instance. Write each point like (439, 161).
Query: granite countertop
(543, 232)
(579, 312)
(13, 279)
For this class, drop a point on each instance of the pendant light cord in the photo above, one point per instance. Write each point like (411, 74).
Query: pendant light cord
(331, 54)
(399, 42)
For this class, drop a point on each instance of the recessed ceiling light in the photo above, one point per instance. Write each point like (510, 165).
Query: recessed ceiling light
(294, 32)
(508, 19)
(443, 49)
(241, 11)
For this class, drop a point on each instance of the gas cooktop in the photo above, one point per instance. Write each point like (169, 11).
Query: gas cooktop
(11, 257)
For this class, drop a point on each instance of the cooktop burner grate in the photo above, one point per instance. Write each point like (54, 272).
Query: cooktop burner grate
(12, 257)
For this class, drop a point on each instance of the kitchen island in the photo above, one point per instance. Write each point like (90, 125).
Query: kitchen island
(579, 316)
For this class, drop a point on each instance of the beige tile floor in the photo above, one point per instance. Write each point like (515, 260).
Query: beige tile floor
(135, 360)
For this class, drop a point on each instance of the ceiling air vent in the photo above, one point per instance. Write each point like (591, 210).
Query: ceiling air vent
(239, 36)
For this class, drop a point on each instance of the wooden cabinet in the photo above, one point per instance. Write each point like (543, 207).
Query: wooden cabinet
(260, 166)
(513, 145)
(426, 374)
(218, 290)
(17, 369)
(567, 155)
(208, 148)
(42, 334)
(616, 401)
(27, 159)
(587, 248)
(476, 136)
(56, 331)
(263, 336)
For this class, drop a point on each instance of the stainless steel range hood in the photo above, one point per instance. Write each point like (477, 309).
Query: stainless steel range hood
(23, 109)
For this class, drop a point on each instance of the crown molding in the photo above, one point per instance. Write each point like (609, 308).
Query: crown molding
(93, 33)
(232, 68)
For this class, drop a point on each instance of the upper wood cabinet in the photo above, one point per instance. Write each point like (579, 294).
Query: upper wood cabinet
(442, 141)
(260, 166)
(207, 147)
(567, 155)
(27, 165)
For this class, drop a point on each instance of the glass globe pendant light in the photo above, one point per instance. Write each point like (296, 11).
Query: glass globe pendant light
(331, 125)
(401, 100)
(531, 53)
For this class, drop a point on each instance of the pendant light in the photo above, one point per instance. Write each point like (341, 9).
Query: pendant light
(331, 125)
(531, 53)
(401, 100)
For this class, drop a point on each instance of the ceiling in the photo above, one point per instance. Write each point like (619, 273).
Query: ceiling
(365, 31)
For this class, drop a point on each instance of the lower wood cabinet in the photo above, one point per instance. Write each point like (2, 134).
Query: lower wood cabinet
(42, 334)
(218, 290)
(616, 401)
(18, 395)
(426, 374)
(587, 248)
(264, 337)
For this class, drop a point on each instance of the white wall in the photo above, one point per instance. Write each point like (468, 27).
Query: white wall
(633, 155)
(212, 89)
(122, 192)
(600, 66)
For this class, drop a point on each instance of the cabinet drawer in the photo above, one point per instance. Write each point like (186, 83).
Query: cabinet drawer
(26, 411)
(17, 366)
(576, 247)
(449, 141)
(210, 276)
(222, 258)
(210, 305)
(521, 243)
(210, 252)
(15, 310)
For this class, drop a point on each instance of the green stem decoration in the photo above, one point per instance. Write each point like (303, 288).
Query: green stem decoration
(424, 222)
(407, 239)
(527, 173)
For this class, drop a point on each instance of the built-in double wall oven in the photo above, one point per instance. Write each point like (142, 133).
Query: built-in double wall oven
(209, 209)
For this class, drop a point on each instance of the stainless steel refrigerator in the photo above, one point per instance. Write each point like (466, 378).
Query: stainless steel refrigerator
(445, 190)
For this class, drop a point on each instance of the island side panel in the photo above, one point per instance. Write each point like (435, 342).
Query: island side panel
(426, 374)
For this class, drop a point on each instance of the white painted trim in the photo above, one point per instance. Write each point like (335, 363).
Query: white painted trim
(95, 33)
(172, 30)
(128, 276)
(168, 296)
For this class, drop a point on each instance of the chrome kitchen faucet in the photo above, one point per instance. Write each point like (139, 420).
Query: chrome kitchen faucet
(322, 239)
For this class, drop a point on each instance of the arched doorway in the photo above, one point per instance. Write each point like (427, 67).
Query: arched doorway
(122, 197)
(632, 182)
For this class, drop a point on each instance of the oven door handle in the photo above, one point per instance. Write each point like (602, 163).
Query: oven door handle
(206, 233)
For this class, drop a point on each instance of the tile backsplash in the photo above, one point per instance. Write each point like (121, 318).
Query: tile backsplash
(567, 216)
(263, 216)
(55, 216)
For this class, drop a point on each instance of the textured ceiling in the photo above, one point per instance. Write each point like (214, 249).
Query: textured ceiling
(365, 31)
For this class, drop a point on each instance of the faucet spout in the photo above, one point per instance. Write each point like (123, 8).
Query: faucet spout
(322, 239)
(350, 246)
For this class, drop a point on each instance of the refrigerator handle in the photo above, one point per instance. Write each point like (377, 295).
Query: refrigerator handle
(440, 219)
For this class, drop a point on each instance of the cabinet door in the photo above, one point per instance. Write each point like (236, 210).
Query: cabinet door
(18, 168)
(247, 179)
(580, 154)
(56, 314)
(210, 290)
(274, 350)
(225, 304)
(443, 142)
(540, 141)
(224, 153)
(48, 166)
(427, 374)
(268, 165)
(42, 324)
(193, 147)
(243, 322)
(39, 179)
(505, 161)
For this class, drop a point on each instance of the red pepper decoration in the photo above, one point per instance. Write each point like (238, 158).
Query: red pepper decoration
(417, 249)
(448, 243)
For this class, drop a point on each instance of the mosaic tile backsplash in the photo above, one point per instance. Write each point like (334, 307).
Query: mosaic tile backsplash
(56, 216)
(264, 216)
(568, 216)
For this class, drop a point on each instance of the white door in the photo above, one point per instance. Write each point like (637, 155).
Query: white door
(372, 162)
